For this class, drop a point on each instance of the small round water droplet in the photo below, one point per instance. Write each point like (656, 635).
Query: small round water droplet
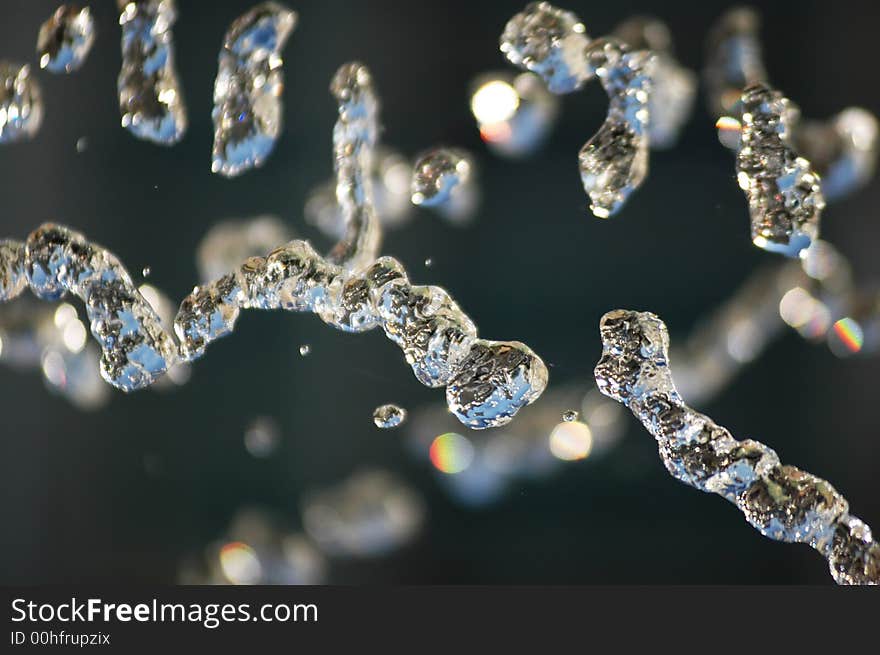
(388, 416)
(82, 144)
(429, 262)
(305, 349)
(570, 415)
(146, 272)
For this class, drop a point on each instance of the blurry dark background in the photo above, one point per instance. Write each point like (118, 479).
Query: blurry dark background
(124, 493)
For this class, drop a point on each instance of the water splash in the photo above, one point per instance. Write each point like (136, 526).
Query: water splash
(389, 416)
(247, 91)
(150, 98)
(65, 39)
(782, 502)
(487, 382)
(785, 199)
(21, 102)
(136, 350)
(553, 44)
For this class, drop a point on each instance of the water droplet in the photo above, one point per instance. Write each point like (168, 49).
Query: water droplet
(388, 416)
(429, 262)
(150, 97)
(146, 272)
(570, 415)
(82, 144)
(247, 91)
(438, 174)
(65, 39)
(305, 350)
(783, 192)
(21, 102)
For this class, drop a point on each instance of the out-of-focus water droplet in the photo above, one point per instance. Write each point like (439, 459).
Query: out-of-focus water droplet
(843, 149)
(570, 415)
(146, 271)
(66, 38)
(21, 102)
(369, 514)
(734, 60)
(571, 440)
(391, 195)
(429, 262)
(240, 563)
(846, 337)
(262, 436)
(150, 96)
(257, 549)
(673, 87)
(514, 113)
(248, 112)
(451, 453)
(729, 132)
(305, 350)
(82, 144)
(388, 416)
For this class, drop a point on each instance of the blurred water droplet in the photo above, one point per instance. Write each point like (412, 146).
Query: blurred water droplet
(262, 436)
(65, 39)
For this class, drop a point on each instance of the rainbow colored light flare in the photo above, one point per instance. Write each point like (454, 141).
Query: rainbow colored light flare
(451, 453)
